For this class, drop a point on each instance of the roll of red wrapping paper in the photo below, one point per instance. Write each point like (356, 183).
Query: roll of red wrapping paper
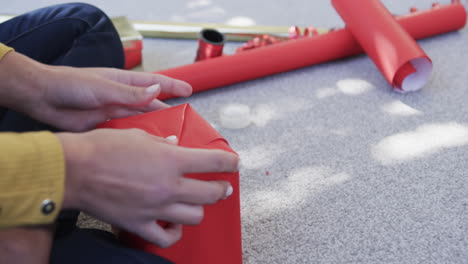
(294, 54)
(397, 55)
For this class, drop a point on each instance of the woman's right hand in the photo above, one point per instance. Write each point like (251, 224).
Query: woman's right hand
(130, 179)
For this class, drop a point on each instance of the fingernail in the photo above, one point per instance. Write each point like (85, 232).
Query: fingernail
(173, 139)
(153, 88)
(228, 191)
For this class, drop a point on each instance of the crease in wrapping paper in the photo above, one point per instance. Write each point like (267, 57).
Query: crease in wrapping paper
(303, 52)
(397, 55)
(218, 238)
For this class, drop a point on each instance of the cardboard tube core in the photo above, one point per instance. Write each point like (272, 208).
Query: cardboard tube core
(416, 80)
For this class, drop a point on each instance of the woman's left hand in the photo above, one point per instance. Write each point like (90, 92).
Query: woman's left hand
(77, 99)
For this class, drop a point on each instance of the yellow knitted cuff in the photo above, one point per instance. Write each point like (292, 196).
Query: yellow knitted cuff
(32, 178)
(4, 50)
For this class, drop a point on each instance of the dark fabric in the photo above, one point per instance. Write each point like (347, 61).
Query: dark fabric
(97, 246)
(78, 35)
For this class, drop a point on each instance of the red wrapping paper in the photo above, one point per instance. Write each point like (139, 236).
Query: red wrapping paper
(294, 54)
(397, 55)
(218, 238)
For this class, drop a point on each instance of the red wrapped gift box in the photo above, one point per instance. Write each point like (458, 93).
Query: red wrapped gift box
(218, 238)
(133, 53)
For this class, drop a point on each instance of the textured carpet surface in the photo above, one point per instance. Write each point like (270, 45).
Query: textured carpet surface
(356, 172)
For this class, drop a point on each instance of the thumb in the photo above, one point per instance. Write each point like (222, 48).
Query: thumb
(137, 96)
(161, 236)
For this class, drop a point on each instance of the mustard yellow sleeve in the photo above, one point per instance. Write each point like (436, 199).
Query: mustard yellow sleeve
(4, 50)
(32, 178)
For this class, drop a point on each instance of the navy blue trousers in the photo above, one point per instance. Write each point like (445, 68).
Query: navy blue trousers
(78, 35)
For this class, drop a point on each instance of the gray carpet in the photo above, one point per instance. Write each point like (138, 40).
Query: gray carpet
(356, 172)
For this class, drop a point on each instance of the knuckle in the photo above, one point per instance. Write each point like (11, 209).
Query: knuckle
(172, 156)
(165, 243)
(172, 86)
(149, 197)
(135, 93)
(178, 235)
(214, 196)
(199, 214)
(135, 131)
(225, 161)
(219, 162)
(81, 127)
(167, 191)
(168, 240)
(168, 84)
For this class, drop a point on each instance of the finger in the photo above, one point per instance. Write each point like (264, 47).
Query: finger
(174, 86)
(163, 237)
(112, 112)
(192, 160)
(135, 96)
(118, 112)
(78, 120)
(171, 140)
(174, 230)
(168, 85)
(154, 105)
(144, 79)
(84, 120)
(182, 213)
(202, 192)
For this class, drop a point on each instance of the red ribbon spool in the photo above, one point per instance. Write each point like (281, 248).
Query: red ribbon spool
(210, 44)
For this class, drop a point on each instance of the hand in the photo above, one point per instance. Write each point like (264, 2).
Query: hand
(130, 179)
(77, 99)
(26, 245)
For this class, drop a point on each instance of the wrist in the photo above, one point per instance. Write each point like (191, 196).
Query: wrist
(26, 244)
(77, 153)
(23, 82)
